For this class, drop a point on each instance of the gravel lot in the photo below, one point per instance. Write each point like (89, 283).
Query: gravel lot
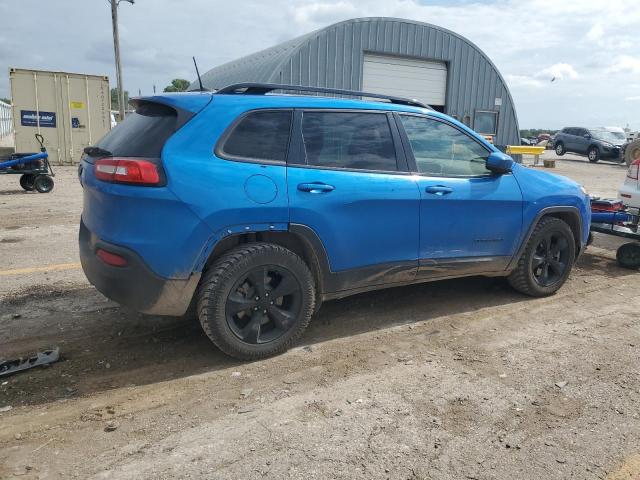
(451, 380)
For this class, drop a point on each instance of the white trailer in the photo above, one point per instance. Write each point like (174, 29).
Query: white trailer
(70, 110)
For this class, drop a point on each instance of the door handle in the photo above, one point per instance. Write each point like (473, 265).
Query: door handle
(439, 190)
(315, 187)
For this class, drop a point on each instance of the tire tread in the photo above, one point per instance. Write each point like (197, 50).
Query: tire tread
(220, 272)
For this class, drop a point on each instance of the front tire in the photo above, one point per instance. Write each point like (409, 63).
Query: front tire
(547, 259)
(593, 154)
(560, 149)
(256, 300)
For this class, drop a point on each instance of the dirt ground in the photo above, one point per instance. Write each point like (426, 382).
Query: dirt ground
(461, 379)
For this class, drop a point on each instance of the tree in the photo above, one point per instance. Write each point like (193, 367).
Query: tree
(5, 100)
(114, 99)
(178, 85)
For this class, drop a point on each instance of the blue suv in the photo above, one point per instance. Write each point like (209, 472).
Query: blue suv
(255, 208)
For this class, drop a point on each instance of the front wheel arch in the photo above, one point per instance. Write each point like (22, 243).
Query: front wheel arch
(570, 215)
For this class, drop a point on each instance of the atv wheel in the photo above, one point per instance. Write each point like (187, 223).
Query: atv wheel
(43, 183)
(27, 180)
(628, 255)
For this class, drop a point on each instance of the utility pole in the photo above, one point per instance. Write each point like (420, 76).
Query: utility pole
(116, 48)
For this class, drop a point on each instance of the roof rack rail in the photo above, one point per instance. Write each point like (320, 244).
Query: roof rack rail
(263, 88)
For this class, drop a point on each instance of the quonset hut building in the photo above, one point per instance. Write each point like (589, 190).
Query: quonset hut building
(391, 56)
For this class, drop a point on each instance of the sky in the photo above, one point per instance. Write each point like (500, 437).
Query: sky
(590, 47)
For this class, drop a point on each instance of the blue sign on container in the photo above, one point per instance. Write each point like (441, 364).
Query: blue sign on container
(29, 118)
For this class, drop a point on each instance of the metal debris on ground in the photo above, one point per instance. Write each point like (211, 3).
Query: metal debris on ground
(9, 367)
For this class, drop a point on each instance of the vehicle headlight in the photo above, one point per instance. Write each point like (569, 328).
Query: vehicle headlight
(607, 144)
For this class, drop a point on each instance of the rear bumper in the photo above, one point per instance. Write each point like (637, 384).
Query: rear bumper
(629, 195)
(134, 285)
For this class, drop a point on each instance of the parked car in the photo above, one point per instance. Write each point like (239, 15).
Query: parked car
(629, 193)
(595, 143)
(257, 207)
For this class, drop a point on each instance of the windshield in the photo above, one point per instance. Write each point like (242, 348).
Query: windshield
(607, 136)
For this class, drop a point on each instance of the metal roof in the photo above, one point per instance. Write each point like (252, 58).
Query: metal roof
(333, 57)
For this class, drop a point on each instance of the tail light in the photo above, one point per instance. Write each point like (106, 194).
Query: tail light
(127, 170)
(111, 258)
(633, 169)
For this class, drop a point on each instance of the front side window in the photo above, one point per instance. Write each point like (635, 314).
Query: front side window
(351, 140)
(260, 135)
(443, 150)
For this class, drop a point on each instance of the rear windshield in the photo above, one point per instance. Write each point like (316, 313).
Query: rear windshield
(143, 133)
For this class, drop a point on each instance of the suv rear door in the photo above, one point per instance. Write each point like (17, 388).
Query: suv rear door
(349, 183)
(470, 218)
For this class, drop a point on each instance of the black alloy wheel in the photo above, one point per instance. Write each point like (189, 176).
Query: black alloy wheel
(264, 304)
(550, 259)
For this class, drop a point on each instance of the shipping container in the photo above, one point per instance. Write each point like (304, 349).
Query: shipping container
(70, 110)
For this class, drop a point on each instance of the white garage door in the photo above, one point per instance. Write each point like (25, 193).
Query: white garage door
(422, 80)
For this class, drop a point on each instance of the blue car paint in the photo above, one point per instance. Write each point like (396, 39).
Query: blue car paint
(542, 190)
(370, 218)
(480, 217)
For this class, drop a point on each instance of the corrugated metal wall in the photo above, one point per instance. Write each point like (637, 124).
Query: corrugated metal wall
(333, 57)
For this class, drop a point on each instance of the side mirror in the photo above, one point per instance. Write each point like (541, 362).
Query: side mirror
(498, 162)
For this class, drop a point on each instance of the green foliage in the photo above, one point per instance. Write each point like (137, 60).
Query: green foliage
(178, 85)
(114, 99)
(5, 100)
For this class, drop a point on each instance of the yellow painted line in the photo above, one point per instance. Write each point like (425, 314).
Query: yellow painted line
(46, 268)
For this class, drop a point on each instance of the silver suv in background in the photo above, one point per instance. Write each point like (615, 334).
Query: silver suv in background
(595, 143)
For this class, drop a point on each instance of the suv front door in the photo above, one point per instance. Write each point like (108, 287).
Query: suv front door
(348, 182)
(470, 218)
(581, 142)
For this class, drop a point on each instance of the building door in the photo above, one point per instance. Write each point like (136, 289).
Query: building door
(422, 80)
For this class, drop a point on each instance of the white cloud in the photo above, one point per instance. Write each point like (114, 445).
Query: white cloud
(558, 71)
(626, 64)
(323, 13)
(589, 46)
(596, 33)
(633, 99)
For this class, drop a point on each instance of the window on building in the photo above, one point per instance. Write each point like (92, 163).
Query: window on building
(443, 150)
(352, 140)
(486, 122)
(260, 135)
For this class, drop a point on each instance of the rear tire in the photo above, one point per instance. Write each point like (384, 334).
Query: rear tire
(256, 300)
(27, 180)
(547, 259)
(43, 183)
(628, 255)
(560, 149)
(593, 154)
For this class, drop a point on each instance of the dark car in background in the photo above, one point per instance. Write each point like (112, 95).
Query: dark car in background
(595, 143)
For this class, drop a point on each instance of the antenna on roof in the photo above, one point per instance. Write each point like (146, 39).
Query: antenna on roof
(202, 89)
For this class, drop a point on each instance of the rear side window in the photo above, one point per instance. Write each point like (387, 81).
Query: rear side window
(142, 133)
(359, 141)
(261, 135)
